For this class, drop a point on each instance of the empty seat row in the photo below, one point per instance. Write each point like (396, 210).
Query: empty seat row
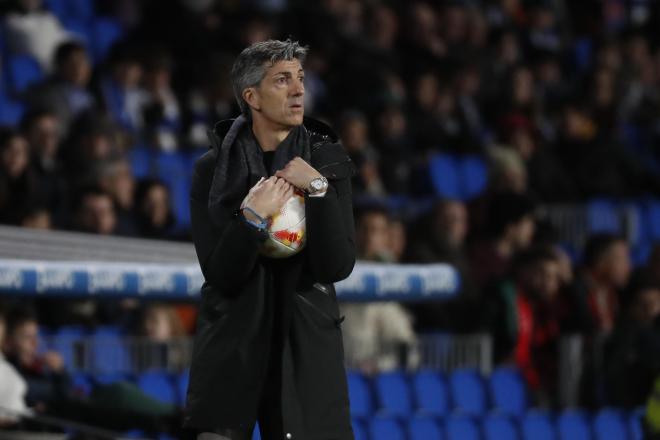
(607, 424)
(431, 392)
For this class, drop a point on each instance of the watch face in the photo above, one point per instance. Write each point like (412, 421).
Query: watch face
(317, 184)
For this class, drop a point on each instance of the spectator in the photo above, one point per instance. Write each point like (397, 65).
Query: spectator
(524, 314)
(161, 113)
(632, 354)
(116, 179)
(18, 182)
(377, 336)
(95, 212)
(153, 209)
(355, 138)
(120, 89)
(33, 31)
(510, 230)
(65, 93)
(606, 272)
(163, 334)
(12, 386)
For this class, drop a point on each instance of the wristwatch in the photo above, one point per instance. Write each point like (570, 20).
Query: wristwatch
(317, 185)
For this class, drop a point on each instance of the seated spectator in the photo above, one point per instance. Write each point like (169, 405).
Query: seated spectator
(377, 336)
(510, 229)
(164, 338)
(120, 89)
(12, 386)
(43, 132)
(354, 133)
(65, 93)
(34, 31)
(94, 212)
(153, 209)
(632, 353)
(162, 115)
(598, 286)
(37, 217)
(524, 314)
(118, 406)
(18, 182)
(116, 179)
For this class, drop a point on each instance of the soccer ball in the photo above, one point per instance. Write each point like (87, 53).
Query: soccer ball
(286, 229)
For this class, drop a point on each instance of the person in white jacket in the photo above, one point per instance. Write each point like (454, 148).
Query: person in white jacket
(12, 387)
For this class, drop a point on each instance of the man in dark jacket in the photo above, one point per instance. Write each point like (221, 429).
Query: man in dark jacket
(268, 346)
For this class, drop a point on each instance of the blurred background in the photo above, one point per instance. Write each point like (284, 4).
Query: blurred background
(515, 141)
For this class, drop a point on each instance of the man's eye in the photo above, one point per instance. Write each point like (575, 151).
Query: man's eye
(281, 80)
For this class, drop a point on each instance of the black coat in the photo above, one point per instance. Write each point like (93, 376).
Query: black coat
(273, 322)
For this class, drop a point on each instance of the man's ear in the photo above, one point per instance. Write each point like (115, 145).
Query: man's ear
(251, 96)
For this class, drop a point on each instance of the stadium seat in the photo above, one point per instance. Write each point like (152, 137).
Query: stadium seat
(461, 427)
(573, 425)
(499, 427)
(172, 170)
(157, 385)
(109, 354)
(11, 111)
(81, 385)
(431, 393)
(140, 159)
(609, 424)
(393, 392)
(81, 29)
(635, 424)
(359, 431)
(67, 341)
(106, 31)
(386, 428)
(653, 220)
(467, 390)
(474, 176)
(23, 70)
(105, 378)
(81, 9)
(445, 176)
(424, 428)
(603, 217)
(256, 434)
(359, 395)
(182, 386)
(57, 7)
(536, 425)
(508, 391)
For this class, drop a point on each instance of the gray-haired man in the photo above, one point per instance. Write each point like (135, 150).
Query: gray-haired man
(268, 346)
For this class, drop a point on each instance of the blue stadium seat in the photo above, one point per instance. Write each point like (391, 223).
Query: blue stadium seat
(182, 386)
(653, 220)
(81, 29)
(431, 393)
(474, 176)
(359, 395)
(499, 427)
(445, 176)
(11, 111)
(81, 9)
(141, 159)
(573, 425)
(107, 330)
(22, 71)
(57, 7)
(81, 384)
(508, 391)
(635, 424)
(603, 217)
(468, 393)
(536, 425)
(106, 31)
(109, 354)
(157, 385)
(386, 428)
(461, 427)
(609, 424)
(67, 341)
(256, 434)
(107, 378)
(393, 393)
(172, 169)
(359, 431)
(424, 428)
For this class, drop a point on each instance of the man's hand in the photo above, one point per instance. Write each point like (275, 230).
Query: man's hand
(267, 197)
(298, 173)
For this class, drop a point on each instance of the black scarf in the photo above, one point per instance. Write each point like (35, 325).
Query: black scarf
(240, 164)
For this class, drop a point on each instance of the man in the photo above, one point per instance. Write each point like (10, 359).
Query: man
(268, 344)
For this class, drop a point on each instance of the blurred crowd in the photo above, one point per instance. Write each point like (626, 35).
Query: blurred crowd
(561, 100)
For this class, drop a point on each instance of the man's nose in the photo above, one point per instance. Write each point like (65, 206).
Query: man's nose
(298, 88)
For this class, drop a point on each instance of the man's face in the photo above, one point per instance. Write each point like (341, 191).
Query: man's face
(279, 96)
(23, 342)
(615, 265)
(98, 214)
(544, 280)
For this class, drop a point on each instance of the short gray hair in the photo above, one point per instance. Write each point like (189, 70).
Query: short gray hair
(251, 65)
